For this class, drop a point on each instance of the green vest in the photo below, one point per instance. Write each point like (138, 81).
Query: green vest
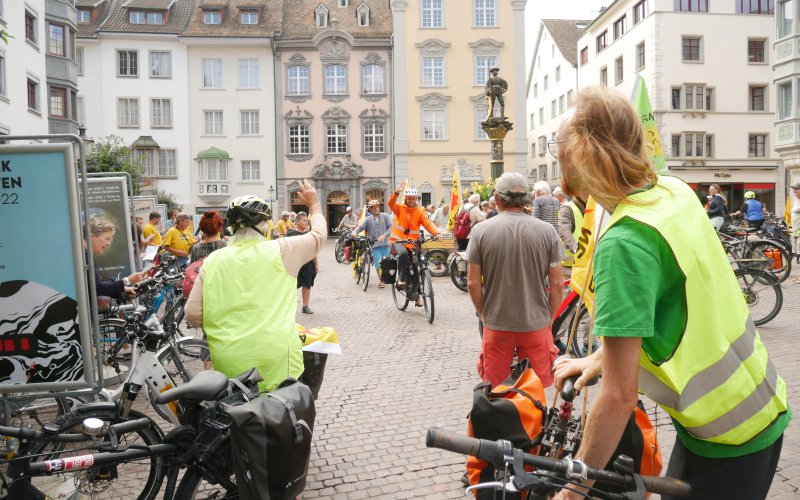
(569, 256)
(249, 303)
(718, 383)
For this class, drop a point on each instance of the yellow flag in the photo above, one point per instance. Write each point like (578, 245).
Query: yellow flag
(641, 102)
(455, 200)
(361, 220)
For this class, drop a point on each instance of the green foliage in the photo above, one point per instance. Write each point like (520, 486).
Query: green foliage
(485, 190)
(110, 154)
(168, 199)
(5, 35)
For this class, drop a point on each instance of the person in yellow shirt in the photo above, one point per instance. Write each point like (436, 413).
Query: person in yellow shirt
(150, 230)
(179, 239)
(284, 224)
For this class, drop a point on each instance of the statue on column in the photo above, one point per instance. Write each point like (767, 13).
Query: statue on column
(495, 88)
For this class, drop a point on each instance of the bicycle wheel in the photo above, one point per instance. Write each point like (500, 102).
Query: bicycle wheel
(400, 298)
(192, 354)
(780, 258)
(426, 292)
(580, 341)
(437, 262)
(762, 293)
(195, 486)
(34, 410)
(339, 250)
(358, 264)
(116, 358)
(140, 479)
(458, 277)
(366, 268)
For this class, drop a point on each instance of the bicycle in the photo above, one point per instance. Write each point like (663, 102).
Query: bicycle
(420, 282)
(362, 260)
(761, 289)
(341, 243)
(745, 244)
(550, 474)
(457, 266)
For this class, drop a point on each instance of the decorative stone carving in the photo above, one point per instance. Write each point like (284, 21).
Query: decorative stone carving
(468, 172)
(337, 169)
(375, 184)
(373, 58)
(785, 132)
(432, 47)
(334, 50)
(374, 114)
(486, 46)
(399, 4)
(336, 115)
(298, 117)
(433, 100)
(783, 50)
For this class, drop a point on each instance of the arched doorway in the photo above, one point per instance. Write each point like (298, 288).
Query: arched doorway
(337, 202)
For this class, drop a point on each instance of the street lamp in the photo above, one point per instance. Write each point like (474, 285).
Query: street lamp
(271, 198)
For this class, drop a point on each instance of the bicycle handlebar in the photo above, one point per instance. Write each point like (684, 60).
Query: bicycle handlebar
(495, 453)
(31, 434)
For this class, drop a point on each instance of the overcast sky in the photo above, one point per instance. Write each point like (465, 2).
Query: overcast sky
(535, 10)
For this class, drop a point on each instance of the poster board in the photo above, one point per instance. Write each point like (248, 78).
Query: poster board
(46, 335)
(162, 209)
(143, 206)
(108, 199)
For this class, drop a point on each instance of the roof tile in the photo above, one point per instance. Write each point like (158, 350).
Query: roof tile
(269, 18)
(118, 21)
(566, 33)
(300, 22)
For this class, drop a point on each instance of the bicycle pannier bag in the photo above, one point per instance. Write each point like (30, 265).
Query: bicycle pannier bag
(514, 410)
(271, 442)
(388, 267)
(463, 225)
(190, 276)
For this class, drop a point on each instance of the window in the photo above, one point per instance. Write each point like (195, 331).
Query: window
(167, 166)
(640, 11)
(58, 102)
(543, 172)
(757, 147)
(545, 82)
(248, 73)
(249, 122)
(784, 100)
(342, 3)
(695, 97)
(604, 75)
(533, 150)
(298, 80)
(161, 113)
(136, 17)
(532, 123)
(569, 98)
(362, 13)
(248, 17)
(321, 16)
(3, 88)
(785, 18)
(602, 41)
(251, 170)
(154, 18)
(483, 14)
(80, 108)
(83, 16)
(335, 80)
(212, 169)
(620, 27)
(560, 104)
(584, 56)
(535, 90)
(374, 138)
(336, 138)
(299, 140)
(128, 63)
(558, 74)
(482, 66)
(676, 98)
(33, 95)
(212, 121)
(128, 112)
(433, 125)
(31, 33)
(553, 108)
(212, 17)
(542, 144)
(640, 57)
(691, 5)
(755, 7)
(698, 145)
(480, 110)
(541, 116)
(212, 73)
(79, 60)
(676, 146)
(432, 13)
(433, 71)
(555, 173)
(160, 64)
(147, 158)
(55, 39)
(758, 95)
(756, 51)
(691, 49)
(74, 107)
(618, 69)
(372, 79)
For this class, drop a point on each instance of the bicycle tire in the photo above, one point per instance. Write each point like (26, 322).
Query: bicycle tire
(400, 298)
(192, 352)
(458, 278)
(763, 248)
(147, 474)
(366, 266)
(580, 341)
(760, 289)
(110, 332)
(193, 486)
(426, 291)
(338, 251)
(358, 262)
(34, 410)
(437, 262)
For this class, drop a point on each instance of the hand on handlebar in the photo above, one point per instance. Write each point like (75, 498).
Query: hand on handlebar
(438, 237)
(587, 368)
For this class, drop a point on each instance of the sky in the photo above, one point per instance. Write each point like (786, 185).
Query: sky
(536, 10)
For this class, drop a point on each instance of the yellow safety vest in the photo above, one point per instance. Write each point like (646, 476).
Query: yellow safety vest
(249, 303)
(719, 383)
(569, 256)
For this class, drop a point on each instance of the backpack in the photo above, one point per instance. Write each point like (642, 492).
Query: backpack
(514, 410)
(462, 226)
(190, 276)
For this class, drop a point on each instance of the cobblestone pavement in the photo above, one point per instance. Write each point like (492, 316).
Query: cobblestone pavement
(400, 375)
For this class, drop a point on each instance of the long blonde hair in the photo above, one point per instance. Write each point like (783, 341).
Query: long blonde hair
(606, 147)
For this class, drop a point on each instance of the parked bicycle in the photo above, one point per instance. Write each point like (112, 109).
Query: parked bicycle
(761, 289)
(419, 283)
(745, 243)
(362, 260)
(457, 267)
(342, 243)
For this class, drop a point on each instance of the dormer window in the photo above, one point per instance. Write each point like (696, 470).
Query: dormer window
(145, 17)
(248, 16)
(136, 17)
(342, 3)
(212, 17)
(155, 18)
(362, 13)
(321, 14)
(83, 16)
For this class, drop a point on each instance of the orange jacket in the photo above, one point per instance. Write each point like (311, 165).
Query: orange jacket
(410, 219)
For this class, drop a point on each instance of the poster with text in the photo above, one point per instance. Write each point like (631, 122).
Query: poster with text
(143, 206)
(45, 326)
(108, 207)
(162, 209)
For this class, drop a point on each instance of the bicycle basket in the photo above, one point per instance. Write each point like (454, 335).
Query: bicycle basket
(388, 267)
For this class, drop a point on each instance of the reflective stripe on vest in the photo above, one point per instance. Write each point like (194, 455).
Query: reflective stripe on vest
(577, 217)
(718, 384)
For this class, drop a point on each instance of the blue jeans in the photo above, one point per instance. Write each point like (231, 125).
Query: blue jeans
(378, 253)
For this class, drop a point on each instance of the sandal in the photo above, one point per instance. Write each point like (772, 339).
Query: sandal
(381, 285)
(797, 281)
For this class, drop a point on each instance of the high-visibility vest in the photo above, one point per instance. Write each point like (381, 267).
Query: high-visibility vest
(577, 215)
(718, 383)
(407, 221)
(249, 303)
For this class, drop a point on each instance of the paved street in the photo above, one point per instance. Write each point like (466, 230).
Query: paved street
(399, 375)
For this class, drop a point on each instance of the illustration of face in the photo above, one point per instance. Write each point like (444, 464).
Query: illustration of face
(101, 242)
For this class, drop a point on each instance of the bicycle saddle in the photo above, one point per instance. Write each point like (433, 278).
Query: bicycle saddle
(207, 385)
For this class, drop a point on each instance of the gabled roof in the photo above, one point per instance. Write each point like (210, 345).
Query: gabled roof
(88, 3)
(269, 18)
(118, 20)
(300, 23)
(102, 8)
(566, 33)
(149, 4)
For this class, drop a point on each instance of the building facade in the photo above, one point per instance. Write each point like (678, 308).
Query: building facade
(786, 54)
(443, 51)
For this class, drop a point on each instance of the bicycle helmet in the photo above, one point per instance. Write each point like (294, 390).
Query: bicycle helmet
(749, 195)
(247, 211)
(348, 209)
(373, 203)
(285, 214)
(411, 192)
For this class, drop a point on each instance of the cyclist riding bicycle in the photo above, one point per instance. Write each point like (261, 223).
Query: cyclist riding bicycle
(379, 226)
(408, 218)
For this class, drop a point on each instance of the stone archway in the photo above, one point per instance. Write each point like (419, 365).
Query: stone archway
(337, 174)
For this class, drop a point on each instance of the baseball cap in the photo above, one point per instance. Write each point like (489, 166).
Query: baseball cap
(796, 185)
(511, 182)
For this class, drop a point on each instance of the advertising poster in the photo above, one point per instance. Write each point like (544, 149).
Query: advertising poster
(143, 206)
(45, 327)
(108, 203)
(162, 209)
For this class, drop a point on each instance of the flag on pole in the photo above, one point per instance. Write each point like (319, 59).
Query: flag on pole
(361, 220)
(455, 200)
(641, 103)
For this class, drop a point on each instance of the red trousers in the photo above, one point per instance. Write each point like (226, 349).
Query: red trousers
(497, 354)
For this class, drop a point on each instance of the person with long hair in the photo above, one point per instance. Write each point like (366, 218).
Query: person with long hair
(212, 226)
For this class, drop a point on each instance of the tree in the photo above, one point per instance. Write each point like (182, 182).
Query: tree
(110, 154)
(5, 35)
(168, 199)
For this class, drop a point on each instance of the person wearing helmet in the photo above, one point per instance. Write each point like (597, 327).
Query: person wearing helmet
(408, 218)
(753, 210)
(285, 224)
(245, 295)
(349, 220)
(379, 226)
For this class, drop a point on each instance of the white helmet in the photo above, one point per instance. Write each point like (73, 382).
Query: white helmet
(348, 209)
(411, 192)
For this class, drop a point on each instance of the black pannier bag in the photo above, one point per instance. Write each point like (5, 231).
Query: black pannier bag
(388, 267)
(271, 442)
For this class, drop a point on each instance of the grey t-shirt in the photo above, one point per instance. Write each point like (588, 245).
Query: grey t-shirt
(515, 251)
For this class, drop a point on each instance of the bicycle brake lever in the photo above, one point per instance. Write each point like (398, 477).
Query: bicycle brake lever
(497, 485)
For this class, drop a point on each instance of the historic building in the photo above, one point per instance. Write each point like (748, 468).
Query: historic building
(786, 56)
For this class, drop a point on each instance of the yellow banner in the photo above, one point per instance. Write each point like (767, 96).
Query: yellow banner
(455, 200)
